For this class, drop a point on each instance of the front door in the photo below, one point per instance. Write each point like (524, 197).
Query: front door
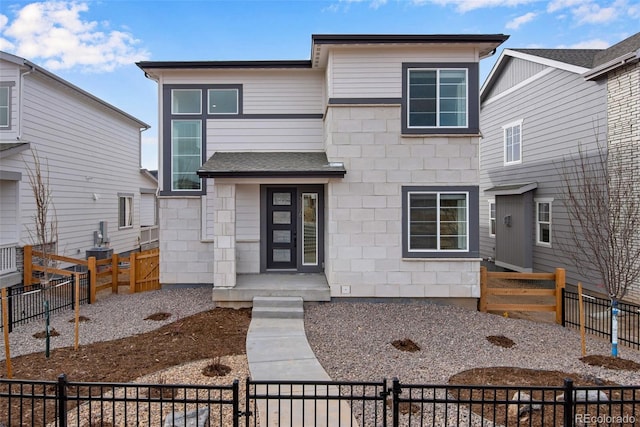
(281, 228)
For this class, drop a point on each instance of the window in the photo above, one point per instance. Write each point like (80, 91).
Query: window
(186, 154)
(513, 143)
(186, 109)
(440, 98)
(440, 221)
(543, 222)
(125, 210)
(223, 101)
(492, 218)
(186, 101)
(5, 107)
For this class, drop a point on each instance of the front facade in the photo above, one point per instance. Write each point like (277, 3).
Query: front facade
(538, 106)
(90, 151)
(360, 165)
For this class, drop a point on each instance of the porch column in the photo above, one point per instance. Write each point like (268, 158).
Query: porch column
(224, 228)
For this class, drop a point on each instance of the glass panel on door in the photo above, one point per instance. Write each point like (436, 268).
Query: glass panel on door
(281, 228)
(310, 228)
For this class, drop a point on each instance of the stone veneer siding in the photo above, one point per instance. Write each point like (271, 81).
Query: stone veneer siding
(184, 257)
(364, 210)
(623, 131)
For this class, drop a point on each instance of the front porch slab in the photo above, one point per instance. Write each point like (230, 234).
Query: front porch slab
(308, 286)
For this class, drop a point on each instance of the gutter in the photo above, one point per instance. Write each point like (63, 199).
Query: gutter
(32, 68)
(602, 69)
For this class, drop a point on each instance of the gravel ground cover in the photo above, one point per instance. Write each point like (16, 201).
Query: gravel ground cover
(113, 316)
(353, 342)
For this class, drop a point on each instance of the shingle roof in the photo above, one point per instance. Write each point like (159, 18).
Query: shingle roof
(588, 58)
(630, 44)
(271, 164)
(579, 57)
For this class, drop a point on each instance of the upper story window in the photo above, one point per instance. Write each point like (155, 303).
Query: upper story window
(513, 143)
(186, 109)
(186, 154)
(439, 221)
(186, 101)
(440, 98)
(5, 107)
(223, 101)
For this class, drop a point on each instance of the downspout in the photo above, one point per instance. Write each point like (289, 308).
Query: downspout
(21, 97)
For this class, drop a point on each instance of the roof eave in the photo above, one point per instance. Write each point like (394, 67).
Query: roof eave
(271, 174)
(595, 73)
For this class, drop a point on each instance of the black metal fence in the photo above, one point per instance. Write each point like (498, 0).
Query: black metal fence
(597, 316)
(27, 303)
(311, 403)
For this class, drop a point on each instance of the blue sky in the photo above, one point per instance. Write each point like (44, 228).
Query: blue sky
(94, 44)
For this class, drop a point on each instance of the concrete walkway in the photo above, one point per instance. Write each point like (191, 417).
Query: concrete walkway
(278, 350)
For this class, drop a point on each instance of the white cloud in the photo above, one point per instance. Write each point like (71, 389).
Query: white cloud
(468, 5)
(557, 5)
(515, 23)
(587, 44)
(594, 12)
(54, 32)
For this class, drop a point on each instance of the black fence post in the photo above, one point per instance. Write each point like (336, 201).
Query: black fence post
(396, 389)
(564, 306)
(236, 403)
(61, 397)
(10, 307)
(568, 403)
(384, 393)
(247, 402)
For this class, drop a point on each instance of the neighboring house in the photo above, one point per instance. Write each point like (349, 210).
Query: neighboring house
(91, 152)
(359, 167)
(537, 107)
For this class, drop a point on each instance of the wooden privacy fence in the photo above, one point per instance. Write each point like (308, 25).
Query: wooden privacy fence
(523, 294)
(143, 270)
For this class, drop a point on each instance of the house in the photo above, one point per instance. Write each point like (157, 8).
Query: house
(356, 170)
(103, 200)
(537, 107)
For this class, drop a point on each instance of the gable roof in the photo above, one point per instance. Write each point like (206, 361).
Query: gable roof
(590, 63)
(578, 57)
(21, 62)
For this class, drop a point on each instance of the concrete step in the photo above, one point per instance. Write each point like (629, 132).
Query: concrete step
(277, 301)
(277, 308)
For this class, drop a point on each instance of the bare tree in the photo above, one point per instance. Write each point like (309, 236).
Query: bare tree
(603, 207)
(45, 224)
(45, 232)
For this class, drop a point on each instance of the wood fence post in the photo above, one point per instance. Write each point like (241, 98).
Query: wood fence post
(560, 284)
(93, 278)
(483, 289)
(114, 273)
(27, 262)
(132, 272)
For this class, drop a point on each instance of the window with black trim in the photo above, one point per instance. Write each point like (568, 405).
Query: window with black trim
(223, 101)
(440, 98)
(125, 210)
(186, 111)
(440, 221)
